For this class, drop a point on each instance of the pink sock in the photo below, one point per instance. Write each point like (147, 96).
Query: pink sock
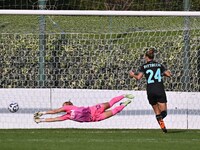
(117, 109)
(115, 100)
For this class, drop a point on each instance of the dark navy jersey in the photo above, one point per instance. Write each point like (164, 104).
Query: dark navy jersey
(153, 72)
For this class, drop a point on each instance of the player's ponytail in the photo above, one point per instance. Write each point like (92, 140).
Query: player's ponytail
(150, 53)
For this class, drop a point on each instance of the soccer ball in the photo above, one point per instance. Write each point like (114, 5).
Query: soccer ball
(13, 107)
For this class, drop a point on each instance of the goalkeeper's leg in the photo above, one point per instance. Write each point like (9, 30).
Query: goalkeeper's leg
(114, 100)
(114, 111)
(119, 98)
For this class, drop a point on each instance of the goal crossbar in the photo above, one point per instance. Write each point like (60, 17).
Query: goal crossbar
(100, 13)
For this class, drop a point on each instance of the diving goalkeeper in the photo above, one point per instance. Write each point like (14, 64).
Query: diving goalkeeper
(95, 113)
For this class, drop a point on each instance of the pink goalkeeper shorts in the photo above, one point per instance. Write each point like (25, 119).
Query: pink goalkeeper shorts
(97, 112)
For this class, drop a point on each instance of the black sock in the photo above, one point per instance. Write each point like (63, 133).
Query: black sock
(163, 114)
(158, 117)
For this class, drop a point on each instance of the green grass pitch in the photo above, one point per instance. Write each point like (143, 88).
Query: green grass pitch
(98, 139)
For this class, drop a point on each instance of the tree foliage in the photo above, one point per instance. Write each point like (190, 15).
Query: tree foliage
(161, 5)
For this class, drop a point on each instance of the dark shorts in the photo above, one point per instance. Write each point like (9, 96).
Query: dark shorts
(154, 98)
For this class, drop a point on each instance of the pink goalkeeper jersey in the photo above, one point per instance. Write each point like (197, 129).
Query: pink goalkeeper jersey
(80, 114)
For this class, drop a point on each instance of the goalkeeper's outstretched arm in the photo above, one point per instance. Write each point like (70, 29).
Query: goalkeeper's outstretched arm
(53, 111)
(38, 120)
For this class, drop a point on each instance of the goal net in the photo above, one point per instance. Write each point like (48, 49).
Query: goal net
(96, 52)
(86, 58)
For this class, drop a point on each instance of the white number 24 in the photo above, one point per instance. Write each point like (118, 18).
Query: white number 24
(152, 77)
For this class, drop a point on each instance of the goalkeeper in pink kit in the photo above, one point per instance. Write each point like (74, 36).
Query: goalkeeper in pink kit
(95, 113)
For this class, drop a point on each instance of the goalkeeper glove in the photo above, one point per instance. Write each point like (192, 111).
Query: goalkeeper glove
(38, 114)
(37, 120)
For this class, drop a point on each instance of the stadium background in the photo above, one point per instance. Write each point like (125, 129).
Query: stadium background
(75, 56)
(65, 46)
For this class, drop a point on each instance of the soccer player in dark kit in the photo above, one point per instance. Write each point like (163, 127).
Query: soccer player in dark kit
(154, 72)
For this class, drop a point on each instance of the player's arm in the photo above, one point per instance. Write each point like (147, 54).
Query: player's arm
(53, 111)
(60, 118)
(39, 120)
(167, 73)
(136, 76)
(52, 119)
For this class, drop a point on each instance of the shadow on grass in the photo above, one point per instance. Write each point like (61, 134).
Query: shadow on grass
(176, 131)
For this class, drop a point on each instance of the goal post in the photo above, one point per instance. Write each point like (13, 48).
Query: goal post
(87, 57)
(100, 13)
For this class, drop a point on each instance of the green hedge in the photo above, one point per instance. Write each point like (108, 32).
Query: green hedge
(74, 61)
(168, 5)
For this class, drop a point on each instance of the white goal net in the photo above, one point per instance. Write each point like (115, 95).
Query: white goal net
(95, 52)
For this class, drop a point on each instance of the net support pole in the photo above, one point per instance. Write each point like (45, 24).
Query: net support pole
(186, 53)
(42, 43)
(198, 68)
